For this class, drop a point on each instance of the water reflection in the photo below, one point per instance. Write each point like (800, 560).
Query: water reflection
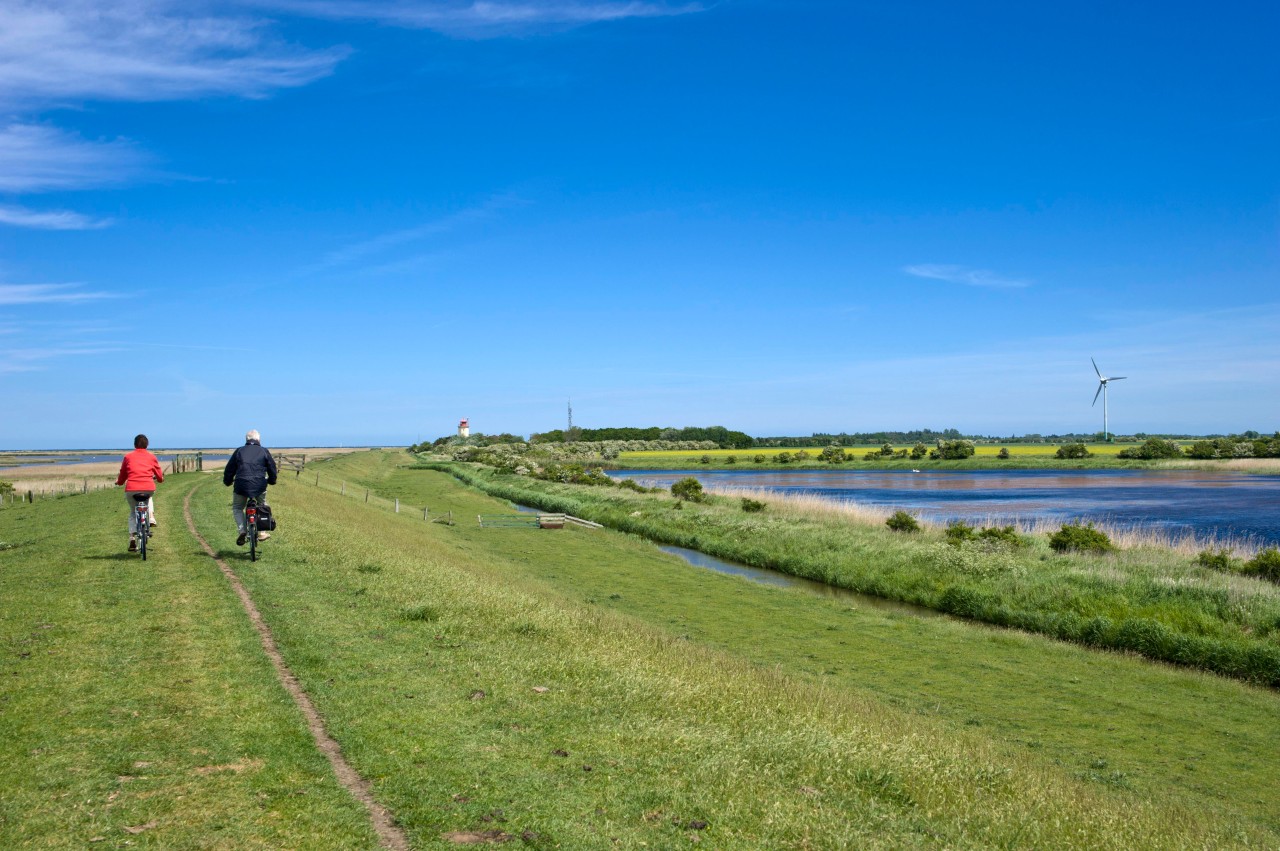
(1206, 504)
(783, 580)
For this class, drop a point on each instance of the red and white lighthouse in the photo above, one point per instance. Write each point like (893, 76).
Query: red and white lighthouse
(464, 429)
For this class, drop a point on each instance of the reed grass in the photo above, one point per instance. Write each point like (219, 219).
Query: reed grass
(1124, 536)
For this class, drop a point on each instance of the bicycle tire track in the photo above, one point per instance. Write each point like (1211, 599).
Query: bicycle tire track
(389, 833)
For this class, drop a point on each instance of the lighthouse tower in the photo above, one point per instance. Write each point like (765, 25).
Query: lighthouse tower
(464, 429)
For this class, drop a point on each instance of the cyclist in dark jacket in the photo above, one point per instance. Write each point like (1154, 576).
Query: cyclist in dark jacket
(251, 468)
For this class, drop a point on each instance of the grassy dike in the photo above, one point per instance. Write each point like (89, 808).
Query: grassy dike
(1147, 601)
(136, 706)
(1160, 733)
(480, 698)
(466, 677)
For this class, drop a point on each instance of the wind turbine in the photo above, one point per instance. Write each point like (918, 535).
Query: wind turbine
(1102, 391)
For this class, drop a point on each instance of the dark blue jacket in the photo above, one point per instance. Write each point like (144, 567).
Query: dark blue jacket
(252, 468)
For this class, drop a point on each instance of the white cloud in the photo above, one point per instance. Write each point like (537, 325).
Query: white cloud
(143, 50)
(963, 275)
(481, 18)
(49, 219)
(39, 158)
(13, 294)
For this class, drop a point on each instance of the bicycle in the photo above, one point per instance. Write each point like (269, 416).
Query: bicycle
(251, 523)
(142, 517)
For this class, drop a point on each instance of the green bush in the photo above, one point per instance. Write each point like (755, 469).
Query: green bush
(957, 532)
(705, 459)
(688, 489)
(1003, 454)
(752, 506)
(759, 459)
(1265, 564)
(574, 474)
(952, 450)
(1154, 447)
(1073, 536)
(1073, 450)
(1004, 534)
(901, 521)
(834, 454)
(782, 458)
(1216, 559)
(731, 459)
(633, 485)
(919, 451)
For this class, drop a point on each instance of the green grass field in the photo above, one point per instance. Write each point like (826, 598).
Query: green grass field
(565, 689)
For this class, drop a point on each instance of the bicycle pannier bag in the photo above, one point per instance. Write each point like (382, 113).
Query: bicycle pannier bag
(266, 522)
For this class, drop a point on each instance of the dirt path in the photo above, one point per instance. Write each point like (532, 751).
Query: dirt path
(391, 836)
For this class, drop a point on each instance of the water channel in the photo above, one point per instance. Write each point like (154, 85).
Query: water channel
(1211, 505)
(784, 580)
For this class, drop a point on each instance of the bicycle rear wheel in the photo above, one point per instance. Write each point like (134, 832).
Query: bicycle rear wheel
(144, 532)
(253, 541)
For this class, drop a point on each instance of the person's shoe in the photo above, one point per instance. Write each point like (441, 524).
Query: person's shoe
(262, 536)
(154, 524)
(133, 543)
(244, 536)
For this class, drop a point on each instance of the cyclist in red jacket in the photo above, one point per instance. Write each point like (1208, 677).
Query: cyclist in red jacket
(139, 472)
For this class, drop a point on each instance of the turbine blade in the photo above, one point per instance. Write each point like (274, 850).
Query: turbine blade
(1095, 367)
(1101, 384)
(1117, 378)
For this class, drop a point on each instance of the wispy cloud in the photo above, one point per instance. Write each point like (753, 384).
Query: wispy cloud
(143, 50)
(963, 275)
(39, 158)
(15, 294)
(386, 242)
(49, 219)
(30, 360)
(481, 18)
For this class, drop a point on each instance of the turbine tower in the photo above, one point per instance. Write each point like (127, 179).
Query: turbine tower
(1102, 391)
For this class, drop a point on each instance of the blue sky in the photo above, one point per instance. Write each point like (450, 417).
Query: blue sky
(357, 222)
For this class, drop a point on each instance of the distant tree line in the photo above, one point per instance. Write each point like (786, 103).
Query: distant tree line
(479, 439)
(719, 435)
(867, 438)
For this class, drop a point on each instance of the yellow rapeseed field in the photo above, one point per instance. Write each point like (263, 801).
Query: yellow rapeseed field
(1022, 450)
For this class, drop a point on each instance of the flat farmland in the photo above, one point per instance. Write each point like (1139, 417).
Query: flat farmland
(855, 453)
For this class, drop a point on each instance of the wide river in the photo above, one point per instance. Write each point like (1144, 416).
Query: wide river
(1223, 506)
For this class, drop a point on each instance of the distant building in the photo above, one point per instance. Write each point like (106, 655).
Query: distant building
(464, 429)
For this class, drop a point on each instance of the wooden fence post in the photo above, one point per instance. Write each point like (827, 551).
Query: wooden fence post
(344, 489)
(397, 505)
(366, 494)
(424, 513)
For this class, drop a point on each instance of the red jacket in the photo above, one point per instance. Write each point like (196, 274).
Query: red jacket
(137, 470)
